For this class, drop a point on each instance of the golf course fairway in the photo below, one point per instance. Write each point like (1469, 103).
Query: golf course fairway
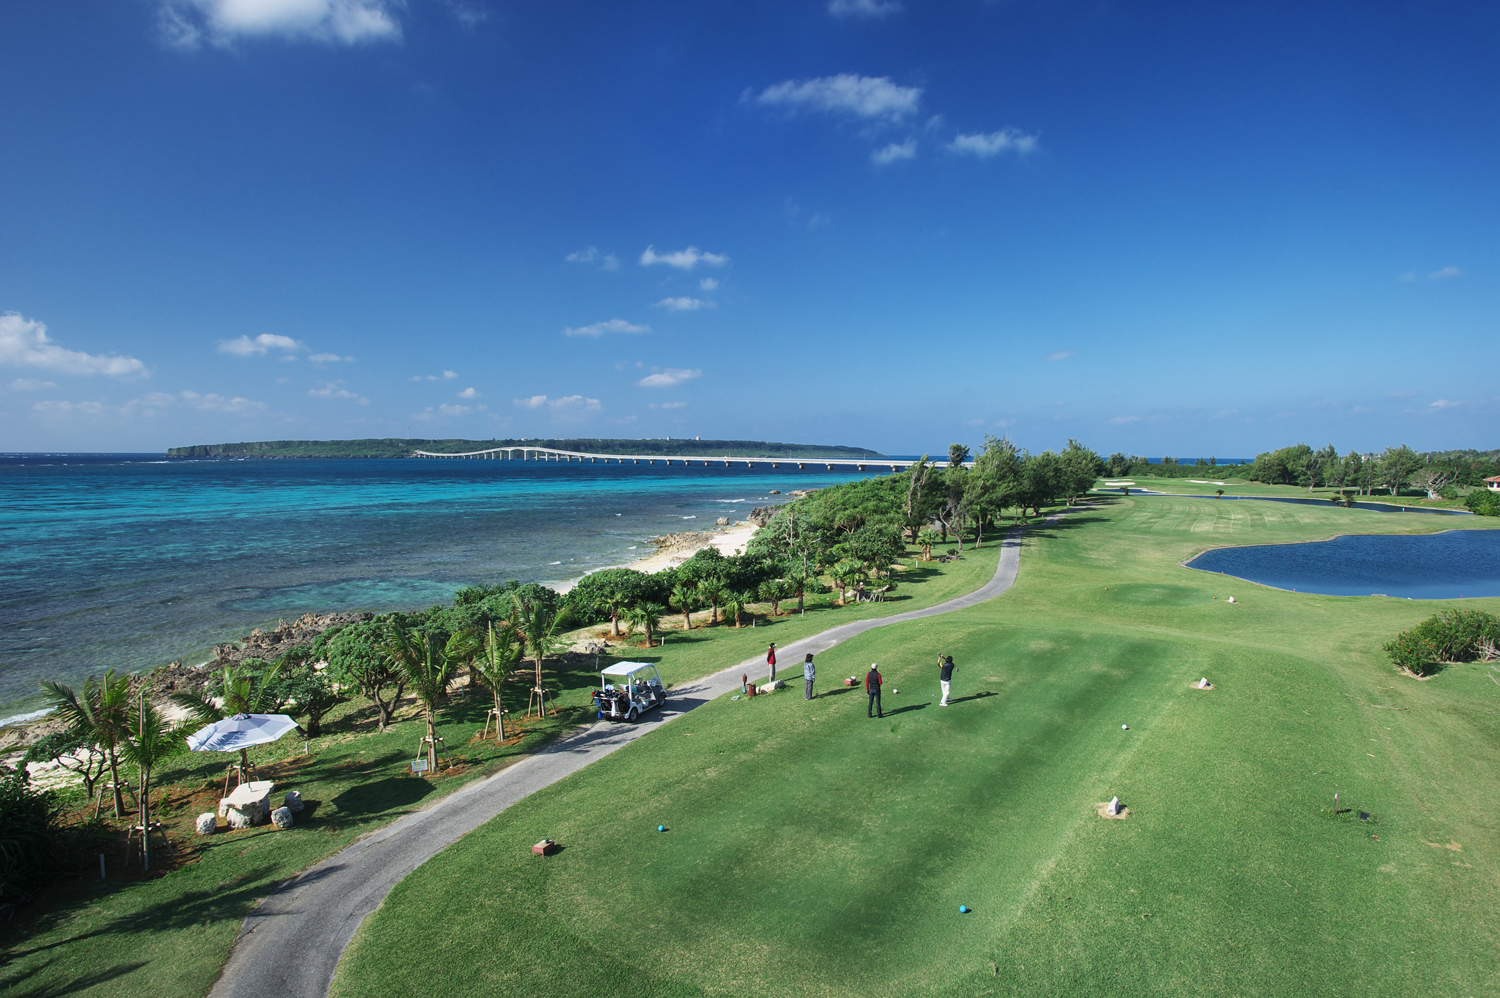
(812, 851)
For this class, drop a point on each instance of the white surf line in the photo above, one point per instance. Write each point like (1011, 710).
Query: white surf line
(291, 943)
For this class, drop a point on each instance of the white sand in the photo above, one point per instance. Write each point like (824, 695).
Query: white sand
(1199, 481)
(729, 541)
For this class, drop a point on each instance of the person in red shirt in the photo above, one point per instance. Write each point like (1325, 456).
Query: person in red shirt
(771, 661)
(872, 687)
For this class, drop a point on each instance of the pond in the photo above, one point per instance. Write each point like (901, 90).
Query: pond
(1449, 565)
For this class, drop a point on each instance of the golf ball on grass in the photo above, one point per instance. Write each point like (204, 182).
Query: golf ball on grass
(1124, 727)
(963, 909)
(661, 828)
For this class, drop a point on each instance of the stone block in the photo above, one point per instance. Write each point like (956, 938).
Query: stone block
(206, 823)
(282, 817)
(293, 802)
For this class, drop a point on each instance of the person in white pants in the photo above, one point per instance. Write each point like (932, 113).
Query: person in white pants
(945, 677)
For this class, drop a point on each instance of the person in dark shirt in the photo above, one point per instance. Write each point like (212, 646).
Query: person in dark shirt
(945, 677)
(872, 687)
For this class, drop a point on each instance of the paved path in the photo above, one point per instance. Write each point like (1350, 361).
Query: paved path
(292, 941)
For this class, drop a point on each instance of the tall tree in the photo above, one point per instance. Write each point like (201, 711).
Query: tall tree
(957, 455)
(915, 508)
(99, 712)
(151, 741)
(684, 599)
(424, 659)
(1399, 464)
(647, 615)
(497, 660)
(540, 625)
(354, 660)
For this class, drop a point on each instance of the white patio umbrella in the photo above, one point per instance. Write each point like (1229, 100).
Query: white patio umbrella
(239, 733)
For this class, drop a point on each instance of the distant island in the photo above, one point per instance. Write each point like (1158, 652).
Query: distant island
(406, 446)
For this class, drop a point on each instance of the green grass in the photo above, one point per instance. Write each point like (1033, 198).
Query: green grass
(169, 935)
(811, 851)
(1244, 487)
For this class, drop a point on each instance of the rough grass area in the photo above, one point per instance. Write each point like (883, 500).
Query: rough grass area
(169, 934)
(813, 851)
(1244, 487)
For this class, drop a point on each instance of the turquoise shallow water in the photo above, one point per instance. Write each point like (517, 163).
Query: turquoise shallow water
(133, 561)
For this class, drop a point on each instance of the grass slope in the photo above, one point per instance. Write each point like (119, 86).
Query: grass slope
(812, 851)
(169, 935)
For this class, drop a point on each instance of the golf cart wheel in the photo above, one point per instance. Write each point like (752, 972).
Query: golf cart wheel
(631, 717)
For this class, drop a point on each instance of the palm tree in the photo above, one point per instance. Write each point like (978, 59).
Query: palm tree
(150, 741)
(846, 573)
(427, 666)
(99, 712)
(245, 689)
(684, 600)
(496, 662)
(647, 616)
(774, 591)
(539, 625)
(614, 605)
(927, 538)
(716, 593)
(799, 586)
(738, 601)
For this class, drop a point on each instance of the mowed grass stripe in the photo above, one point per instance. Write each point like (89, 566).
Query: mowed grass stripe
(814, 852)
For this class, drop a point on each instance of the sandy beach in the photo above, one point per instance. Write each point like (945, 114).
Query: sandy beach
(729, 540)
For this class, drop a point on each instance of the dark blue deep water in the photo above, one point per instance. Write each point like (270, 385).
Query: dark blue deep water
(133, 561)
(1450, 565)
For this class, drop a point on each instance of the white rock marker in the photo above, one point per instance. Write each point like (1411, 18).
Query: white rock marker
(206, 824)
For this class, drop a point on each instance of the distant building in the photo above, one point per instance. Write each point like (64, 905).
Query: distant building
(1493, 483)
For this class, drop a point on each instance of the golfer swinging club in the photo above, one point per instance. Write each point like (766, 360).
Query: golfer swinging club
(872, 687)
(945, 677)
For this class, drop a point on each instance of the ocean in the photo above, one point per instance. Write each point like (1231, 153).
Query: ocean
(132, 561)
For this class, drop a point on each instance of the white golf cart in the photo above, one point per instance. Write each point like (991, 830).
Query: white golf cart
(628, 690)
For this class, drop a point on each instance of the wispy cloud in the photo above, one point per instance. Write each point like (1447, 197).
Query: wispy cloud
(30, 385)
(445, 376)
(1447, 273)
(895, 151)
(568, 405)
(870, 97)
(187, 24)
(683, 259)
(684, 304)
(335, 390)
(468, 393)
(668, 405)
(218, 403)
(607, 261)
(708, 284)
(668, 378)
(435, 412)
(329, 358)
(598, 329)
(1057, 355)
(1122, 420)
(244, 346)
(863, 8)
(25, 343)
(993, 144)
(1444, 404)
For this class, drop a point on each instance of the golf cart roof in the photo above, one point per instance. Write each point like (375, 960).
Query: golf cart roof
(627, 668)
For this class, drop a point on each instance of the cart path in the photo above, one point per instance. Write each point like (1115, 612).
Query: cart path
(292, 941)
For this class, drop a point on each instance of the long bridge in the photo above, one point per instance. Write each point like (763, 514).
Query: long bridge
(528, 452)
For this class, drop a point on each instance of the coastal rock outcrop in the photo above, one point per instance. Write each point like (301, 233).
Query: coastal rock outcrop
(761, 515)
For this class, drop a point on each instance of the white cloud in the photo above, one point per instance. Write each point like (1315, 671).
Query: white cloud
(258, 347)
(68, 408)
(708, 284)
(445, 376)
(668, 405)
(895, 151)
(608, 326)
(212, 402)
(684, 304)
(568, 405)
(1057, 355)
(25, 343)
(329, 358)
(607, 261)
(849, 93)
(331, 390)
(1445, 274)
(188, 23)
(468, 393)
(683, 259)
(30, 385)
(433, 412)
(1444, 404)
(668, 378)
(984, 146)
(863, 8)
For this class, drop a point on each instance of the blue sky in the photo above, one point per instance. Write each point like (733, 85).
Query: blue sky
(1160, 228)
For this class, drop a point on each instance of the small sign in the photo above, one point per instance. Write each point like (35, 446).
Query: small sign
(419, 765)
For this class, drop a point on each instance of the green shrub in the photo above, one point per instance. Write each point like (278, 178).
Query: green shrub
(1484, 502)
(1450, 636)
(29, 834)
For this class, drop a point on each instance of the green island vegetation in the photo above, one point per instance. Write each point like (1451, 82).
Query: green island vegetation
(810, 850)
(1451, 479)
(405, 446)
